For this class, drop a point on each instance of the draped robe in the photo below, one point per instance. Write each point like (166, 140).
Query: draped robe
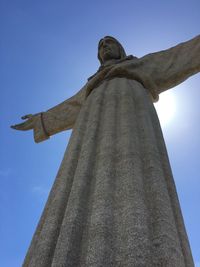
(114, 201)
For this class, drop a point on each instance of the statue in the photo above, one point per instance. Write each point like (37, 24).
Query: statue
(114, 201)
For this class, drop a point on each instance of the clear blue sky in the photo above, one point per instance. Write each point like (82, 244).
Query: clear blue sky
(47, 51)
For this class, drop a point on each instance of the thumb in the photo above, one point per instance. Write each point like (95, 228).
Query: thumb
(26, 116)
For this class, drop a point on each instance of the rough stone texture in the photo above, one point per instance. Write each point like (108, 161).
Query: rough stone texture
(114, 201)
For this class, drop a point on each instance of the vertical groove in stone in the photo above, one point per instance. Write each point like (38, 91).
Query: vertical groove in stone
(165, 241)
(132, 235)
(45, 237)
(99, 232)
(172, 192)
(68, 248)
(139, 133)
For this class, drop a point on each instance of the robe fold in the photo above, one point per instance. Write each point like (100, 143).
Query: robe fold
(114, 201)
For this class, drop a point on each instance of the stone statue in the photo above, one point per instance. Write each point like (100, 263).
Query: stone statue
(114, 201)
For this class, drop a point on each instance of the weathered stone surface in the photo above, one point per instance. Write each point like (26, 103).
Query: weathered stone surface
(114, 201)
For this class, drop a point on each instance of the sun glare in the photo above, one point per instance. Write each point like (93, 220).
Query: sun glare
(166, 108)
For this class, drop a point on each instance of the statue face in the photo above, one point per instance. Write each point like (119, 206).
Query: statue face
(109, 49)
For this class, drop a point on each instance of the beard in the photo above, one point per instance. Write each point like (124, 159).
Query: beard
(109, 55)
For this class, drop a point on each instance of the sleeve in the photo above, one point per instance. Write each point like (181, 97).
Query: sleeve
(170, 67)
(59, 118)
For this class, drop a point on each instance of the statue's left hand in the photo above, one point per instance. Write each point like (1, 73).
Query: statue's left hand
(27, 125)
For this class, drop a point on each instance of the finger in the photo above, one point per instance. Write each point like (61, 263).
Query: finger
(26, 116)
(113, 72)
(13, 127)
(16, 127)
(22, 126)
(109, 74)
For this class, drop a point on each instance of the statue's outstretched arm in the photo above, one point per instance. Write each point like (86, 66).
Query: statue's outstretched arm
(54, 120)
(170, 67)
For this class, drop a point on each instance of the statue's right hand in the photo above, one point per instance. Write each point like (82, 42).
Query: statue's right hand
(27, 125)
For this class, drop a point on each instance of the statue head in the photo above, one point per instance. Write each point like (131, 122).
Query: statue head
(109, 48)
